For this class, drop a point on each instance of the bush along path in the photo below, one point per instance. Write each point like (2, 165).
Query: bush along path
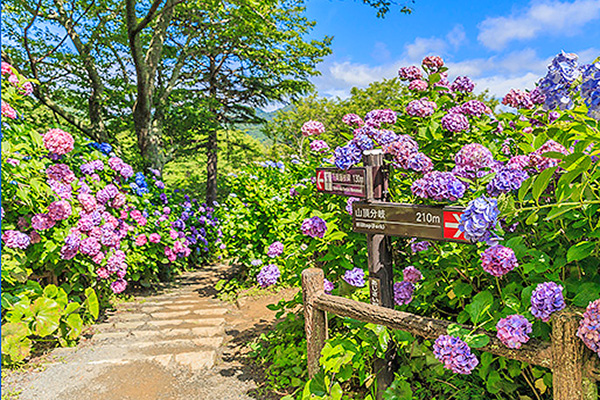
(178, 344)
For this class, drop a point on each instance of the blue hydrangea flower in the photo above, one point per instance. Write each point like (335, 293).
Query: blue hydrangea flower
(355, 277)
(479, 220)
(513, 331)
(268, 275)
(347, 156)
(506, 180)
(403, 292)
(546, 299)
(454, 354)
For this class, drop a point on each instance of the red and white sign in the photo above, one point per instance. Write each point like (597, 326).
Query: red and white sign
(346, 183)
(451, 231)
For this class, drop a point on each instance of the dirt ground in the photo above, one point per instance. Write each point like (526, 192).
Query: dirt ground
(180, 343)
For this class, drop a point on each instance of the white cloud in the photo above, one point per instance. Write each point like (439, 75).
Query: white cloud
(548, 17)
(425, 46)
(457, 36)
(380, 52)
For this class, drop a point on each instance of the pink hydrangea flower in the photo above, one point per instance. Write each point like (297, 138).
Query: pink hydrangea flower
(7, 68)
(433, 62)
(102, 273)
(312, 128)
(61, 173)
(141, 240)
(59, 210)
(58, 141)
(154, 238)
(417, 85)
(41, 222)
(8, 111)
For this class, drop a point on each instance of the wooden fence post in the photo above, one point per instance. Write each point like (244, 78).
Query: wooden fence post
(567, 357)
(381, 274)
(315, 323)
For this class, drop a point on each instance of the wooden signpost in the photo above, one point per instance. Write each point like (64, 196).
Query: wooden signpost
(574, 368)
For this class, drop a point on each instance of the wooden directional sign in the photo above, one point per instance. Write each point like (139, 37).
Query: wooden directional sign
(395, 219)
(352, 182)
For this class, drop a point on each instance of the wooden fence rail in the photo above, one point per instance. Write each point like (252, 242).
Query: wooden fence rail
(573, 365)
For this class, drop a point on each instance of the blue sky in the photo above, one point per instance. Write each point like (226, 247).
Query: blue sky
(499, 44)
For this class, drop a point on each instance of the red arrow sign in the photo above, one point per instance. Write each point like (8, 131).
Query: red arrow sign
(451, 231)
(320, 180)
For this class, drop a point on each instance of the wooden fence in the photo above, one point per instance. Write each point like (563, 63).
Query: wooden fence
(574, 367)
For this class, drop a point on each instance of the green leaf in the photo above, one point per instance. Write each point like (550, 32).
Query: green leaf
(541, 182)
(586, 292)
(398, 390)
(75, 324)
(91, 302)
(15, 343)
(580, 251)
(525, 186)
(46, 316)
(477, 341)
(479, 306)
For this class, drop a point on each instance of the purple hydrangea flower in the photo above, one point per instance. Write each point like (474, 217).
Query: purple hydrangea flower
(506, 180)
(403, 148)
(439, 186)
(546, 299)
(513, 330)
(589, 326)
(268, 275)
(473, 157)
(314, 227)
(421, 108)
(462, 84)
(352, 120)
(256, 263)
(403, 292)
(419, 246)
(473, 107)
(275, 249)
(590, 88)
(540, 162)
(455, 122)
(363, 142)
(498, 260)
(518, 99)
(328, 286)
(412, 274)
(454, 354)
(410, 73)
(355, 277)
(479, 219)
(349, 204)
(347, 156)
(15, 239)
(419, 162)
(377, 117)
(118, 286)
(319, 146)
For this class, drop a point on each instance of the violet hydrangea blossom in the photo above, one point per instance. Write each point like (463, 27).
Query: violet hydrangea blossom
(355, 277)
(589, 326)
(455, 122)
(498, 260)
(506, 180)
(416, 247)
(328, 286)
(455, 354)
(403, 292)
(275, 249)
(513, 331)
(547, 298)
(314, 227)
(349, 204)
(439, 186)
(312, 128)
(15, 239)
(319, 146)
(479, 220)
(421, 108)
(412, 274)
(268, 275)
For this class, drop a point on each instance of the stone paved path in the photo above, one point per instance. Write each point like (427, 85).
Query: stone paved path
(179, 344)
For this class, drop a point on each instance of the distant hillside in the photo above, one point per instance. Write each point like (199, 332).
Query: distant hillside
(255, 130)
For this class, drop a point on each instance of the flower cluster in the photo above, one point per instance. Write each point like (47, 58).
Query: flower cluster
(412, 274)
(455, 122)
(590, 88)
(513, 330)
(104, 148)
(410, 73)
(328, 286)
(555, 87)
(352, 120)
(506, 180)
(376, 118)
(417, 247)
(421, 108)
(319, 146)
(117, 165)
(403, 292)
(15, 239)
(275, 249)
(546, 298)
(454, 354)
(312, 128)
(589, 326)
(355, 277)
(474, 107)
(498, 260)
(462, 84)
(349, 204)
(433, 63)
(8, 111)
(479, 220)
(439, 186)
(472, 159)
(314, 227)
(58, 142)
(347, 156)
(540, 162)
(518, 99)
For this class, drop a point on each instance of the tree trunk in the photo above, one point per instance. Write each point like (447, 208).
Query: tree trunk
(211, 167)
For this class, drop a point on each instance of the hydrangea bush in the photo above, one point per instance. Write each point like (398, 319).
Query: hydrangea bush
(79, 226)
(528, 179)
